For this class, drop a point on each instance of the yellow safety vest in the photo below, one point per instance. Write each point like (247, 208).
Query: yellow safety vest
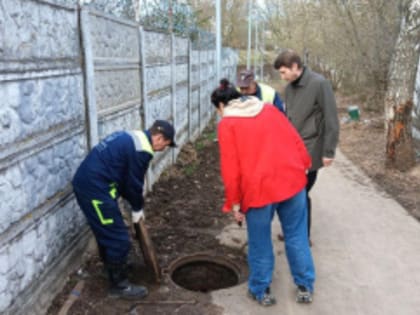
(267, 93)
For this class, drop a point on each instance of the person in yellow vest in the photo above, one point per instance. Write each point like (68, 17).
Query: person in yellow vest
(248, 86)
(116, 168)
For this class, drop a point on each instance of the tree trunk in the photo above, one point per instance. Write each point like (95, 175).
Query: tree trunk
(399, 94)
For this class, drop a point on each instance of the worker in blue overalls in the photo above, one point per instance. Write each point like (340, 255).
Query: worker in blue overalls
(116, 167)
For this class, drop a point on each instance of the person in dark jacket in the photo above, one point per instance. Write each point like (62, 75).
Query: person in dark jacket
(248, 86)
(115, 168)
(311, 108)
(263, 162)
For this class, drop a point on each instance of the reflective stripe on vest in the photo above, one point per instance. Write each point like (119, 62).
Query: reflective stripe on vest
(267, 93)
(141, 141)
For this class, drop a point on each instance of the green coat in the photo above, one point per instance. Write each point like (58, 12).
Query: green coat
(311, 108)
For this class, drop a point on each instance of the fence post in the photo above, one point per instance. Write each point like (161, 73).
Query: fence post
(199, 84)
(173, 90)
(189, 88)
(144, 99)
(89, 75)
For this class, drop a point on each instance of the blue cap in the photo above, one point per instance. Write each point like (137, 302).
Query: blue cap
(166, 129)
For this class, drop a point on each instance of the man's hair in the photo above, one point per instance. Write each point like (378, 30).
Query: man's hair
(287, 58)
(154, 130)
(224, 93)
(165, 128)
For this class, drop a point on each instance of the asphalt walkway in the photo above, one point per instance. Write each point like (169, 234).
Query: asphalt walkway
(366, 252)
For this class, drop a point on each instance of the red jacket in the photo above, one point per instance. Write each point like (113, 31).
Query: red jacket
(263, 159)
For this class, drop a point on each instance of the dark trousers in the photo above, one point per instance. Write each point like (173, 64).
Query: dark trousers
(107, 224)
(311, 177)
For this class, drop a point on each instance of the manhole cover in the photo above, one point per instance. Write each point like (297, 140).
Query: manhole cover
(204, 273)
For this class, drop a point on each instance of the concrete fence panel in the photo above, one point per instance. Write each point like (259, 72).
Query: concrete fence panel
(69, 76)
(43, 139)
(158, 91)
(115, 81)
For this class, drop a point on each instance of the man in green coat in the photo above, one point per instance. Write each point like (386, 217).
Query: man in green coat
(311, 108)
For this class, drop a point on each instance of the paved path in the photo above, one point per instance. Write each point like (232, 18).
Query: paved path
(366, 251)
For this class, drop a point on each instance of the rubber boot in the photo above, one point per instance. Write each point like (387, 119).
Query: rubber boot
(104, 273)
(120, 286)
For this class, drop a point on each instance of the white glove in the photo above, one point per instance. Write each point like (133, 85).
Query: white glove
(136, 216)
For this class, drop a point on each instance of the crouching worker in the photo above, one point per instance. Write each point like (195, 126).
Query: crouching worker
(116, 167)
(263, 165)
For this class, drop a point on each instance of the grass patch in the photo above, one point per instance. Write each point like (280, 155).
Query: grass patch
(190, 169)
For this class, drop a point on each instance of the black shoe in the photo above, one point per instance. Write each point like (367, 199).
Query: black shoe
(266, 300)
(120, 286)
(303, 295)
(127, 290)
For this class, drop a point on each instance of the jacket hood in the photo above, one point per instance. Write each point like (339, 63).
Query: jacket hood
(245, 106)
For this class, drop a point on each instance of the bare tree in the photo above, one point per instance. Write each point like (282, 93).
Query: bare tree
(350, 42)
(399, 96)
(234, 23)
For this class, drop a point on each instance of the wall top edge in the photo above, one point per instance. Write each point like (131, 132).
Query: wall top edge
(38, 74)
(64, 6)
(93, 12)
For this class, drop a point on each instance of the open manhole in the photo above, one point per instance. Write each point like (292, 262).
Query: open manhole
(204, 273)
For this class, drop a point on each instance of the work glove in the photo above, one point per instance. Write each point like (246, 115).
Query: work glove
(137, 215)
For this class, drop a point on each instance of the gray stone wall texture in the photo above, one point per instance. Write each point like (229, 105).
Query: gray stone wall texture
(70, 75)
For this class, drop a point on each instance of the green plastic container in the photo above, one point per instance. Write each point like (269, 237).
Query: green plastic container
(354, 112)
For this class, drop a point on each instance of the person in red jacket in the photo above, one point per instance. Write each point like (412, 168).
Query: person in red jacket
(263, 167)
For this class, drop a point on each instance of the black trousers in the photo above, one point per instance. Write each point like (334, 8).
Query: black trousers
(311, 177)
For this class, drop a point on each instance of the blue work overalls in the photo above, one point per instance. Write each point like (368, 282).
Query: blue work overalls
(115, 167)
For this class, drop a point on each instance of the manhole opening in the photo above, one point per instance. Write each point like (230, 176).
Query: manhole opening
(204, 275)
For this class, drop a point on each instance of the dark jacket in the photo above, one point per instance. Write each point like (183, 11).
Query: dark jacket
(116, 167)
(311, 108)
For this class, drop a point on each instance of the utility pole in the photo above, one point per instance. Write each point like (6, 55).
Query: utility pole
(262, 50)
(248, 56)
(218, 38)
(256, 54)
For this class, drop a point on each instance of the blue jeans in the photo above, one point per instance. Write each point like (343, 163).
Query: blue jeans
(293, 219)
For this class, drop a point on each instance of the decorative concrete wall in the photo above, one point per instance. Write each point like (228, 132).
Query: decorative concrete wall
(113, 71)
(68, 77)
(43, 139)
